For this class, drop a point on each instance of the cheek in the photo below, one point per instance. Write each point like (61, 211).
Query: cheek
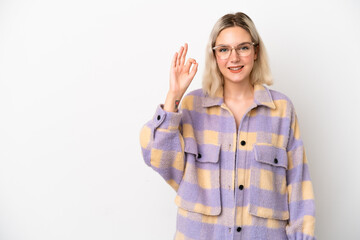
(249, 59)
(221, 63)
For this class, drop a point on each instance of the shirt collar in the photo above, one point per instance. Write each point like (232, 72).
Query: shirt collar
(262, 96)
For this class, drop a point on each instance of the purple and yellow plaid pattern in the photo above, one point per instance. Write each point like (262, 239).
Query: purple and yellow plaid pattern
(253, 183)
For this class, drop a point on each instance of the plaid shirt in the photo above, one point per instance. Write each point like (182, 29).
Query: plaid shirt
(253, 183)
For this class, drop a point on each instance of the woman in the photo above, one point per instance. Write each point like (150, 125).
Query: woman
(233, 152)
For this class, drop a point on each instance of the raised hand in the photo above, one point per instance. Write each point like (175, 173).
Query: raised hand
(180, 78)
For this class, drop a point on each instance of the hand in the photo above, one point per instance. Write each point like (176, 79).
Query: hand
(180, 74)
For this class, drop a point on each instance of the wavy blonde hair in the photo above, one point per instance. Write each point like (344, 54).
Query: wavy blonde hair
(213, 80)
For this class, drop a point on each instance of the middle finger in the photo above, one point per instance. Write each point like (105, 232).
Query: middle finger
(184, 54)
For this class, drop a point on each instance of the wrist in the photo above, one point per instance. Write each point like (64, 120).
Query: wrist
(172, 102)
(174, 95)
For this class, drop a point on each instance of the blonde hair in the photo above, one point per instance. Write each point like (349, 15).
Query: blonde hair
(213, 79)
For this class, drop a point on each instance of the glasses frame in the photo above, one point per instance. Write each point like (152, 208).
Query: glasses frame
(233, 48)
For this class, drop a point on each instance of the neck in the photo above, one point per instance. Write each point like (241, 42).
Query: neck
(238, 91)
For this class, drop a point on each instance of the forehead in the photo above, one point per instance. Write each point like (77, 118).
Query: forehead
(233, 36)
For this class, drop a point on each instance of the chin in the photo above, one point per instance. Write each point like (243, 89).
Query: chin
(236, 80)
(238, 77)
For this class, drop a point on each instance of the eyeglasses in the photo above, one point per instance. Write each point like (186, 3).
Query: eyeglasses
(243, 50)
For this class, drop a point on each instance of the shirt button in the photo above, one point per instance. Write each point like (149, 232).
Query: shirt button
(199, 155)
(241, 187)
(276, 161)
(243, 143)
(238, 229)
(158, 117)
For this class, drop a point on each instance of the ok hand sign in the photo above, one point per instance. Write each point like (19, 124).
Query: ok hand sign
(180, 77)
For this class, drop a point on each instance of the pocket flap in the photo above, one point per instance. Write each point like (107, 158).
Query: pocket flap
(271, 155)
(206, 153)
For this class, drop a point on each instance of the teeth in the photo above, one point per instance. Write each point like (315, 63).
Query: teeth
(238, 68)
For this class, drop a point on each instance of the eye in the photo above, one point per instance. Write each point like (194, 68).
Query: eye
(245, 47)
(223, 49)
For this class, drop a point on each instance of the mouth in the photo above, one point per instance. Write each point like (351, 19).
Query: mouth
(236, 69)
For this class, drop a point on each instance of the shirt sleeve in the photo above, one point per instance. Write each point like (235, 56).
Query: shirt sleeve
(163, 146)
(301, 223)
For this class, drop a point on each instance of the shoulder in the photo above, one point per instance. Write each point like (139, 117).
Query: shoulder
(193, 99)
(197, 92)
(278, 96)
(280, 103)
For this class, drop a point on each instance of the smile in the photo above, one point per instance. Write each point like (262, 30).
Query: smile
(236, 69)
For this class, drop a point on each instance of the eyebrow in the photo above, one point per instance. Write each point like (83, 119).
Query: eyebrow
(223, 45)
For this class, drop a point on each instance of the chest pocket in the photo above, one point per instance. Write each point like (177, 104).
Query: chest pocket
(268, 192)
(199, 190)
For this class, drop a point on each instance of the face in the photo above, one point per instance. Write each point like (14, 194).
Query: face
(236, 68)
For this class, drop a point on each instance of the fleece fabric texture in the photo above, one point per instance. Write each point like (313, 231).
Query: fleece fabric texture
(247, 183)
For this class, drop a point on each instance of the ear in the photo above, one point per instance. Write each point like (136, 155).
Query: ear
(256, 52)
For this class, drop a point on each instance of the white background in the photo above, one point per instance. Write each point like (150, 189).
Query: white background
(79, 78)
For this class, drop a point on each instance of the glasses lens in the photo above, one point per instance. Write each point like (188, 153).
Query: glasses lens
(223, 52)
(244, 49)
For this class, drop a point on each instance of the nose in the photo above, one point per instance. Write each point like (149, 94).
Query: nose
(234, 57)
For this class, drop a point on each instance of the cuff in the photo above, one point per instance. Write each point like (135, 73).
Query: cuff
(166, 120)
